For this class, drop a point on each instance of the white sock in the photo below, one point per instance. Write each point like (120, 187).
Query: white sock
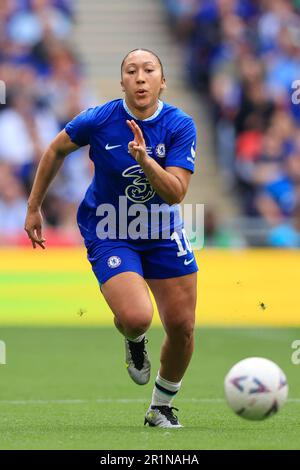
(138, 339)
(164, 391)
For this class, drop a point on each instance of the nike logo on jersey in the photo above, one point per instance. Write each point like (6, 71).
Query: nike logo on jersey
(110, 147)
(186, 262)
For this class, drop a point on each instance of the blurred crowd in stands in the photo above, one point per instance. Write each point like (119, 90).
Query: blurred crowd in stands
(44, 89)
(245, 55)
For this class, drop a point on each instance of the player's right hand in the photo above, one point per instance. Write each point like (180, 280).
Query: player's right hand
(33, 227)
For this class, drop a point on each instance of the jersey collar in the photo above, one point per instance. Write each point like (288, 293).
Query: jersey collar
(150, 118)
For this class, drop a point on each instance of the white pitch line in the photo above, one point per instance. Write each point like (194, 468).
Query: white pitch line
(42, 402)
(116, 400)
(103, 400)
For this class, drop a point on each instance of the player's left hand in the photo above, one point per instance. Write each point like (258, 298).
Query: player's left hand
(137, 147)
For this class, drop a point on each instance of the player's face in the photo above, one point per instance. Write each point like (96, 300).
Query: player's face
(142, 82)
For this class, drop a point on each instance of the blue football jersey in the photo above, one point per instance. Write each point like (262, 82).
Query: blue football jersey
(120, 188)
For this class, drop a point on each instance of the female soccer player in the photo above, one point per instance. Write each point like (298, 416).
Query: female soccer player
(143, 151)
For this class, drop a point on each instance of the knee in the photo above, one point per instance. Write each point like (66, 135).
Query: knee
(133, 324)
(180, 331)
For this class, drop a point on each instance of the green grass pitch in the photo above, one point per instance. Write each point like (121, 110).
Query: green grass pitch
(67, 388)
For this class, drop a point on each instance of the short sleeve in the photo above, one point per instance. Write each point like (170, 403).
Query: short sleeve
(182, 147)
(80, 128)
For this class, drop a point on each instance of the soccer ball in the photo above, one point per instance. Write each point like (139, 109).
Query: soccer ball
(255, 388)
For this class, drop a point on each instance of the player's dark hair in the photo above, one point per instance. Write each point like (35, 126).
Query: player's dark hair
(146, 50)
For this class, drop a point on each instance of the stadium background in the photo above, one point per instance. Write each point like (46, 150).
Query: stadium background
(231, 64)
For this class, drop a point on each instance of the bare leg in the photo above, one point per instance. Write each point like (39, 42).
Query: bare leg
(128, 297)
(176, 302)
(175, 357)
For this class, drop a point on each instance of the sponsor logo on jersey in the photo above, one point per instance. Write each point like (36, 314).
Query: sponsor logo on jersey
(140, 190)
(191, 158)
(193, 153)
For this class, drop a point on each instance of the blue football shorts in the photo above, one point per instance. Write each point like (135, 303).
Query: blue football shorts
(152, 259)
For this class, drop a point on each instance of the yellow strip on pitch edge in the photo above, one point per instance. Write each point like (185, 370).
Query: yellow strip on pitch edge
(235, 287)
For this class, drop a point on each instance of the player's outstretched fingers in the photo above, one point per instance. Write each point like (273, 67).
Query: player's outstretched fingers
(138, 135)
(40, 238)
(35, 236)
(132, 144)
(129, 124)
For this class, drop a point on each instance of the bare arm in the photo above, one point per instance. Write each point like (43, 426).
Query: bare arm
(49, 165)
(170, 183)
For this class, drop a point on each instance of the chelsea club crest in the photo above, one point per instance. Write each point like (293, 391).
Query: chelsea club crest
(114, 262)
(160, 150)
